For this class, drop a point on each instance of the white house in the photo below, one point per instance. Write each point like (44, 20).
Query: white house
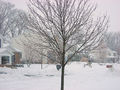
(103, 54)
(8, 54)
(25, 44)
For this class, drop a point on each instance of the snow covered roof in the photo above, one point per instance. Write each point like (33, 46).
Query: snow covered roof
(7, 49)
(5, 45)
(2, 50)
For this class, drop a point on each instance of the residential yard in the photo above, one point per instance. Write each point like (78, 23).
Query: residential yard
(76, 77)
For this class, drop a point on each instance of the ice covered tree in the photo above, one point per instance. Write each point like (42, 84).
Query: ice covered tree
(65, 26)
(113, 41)
(11, 23)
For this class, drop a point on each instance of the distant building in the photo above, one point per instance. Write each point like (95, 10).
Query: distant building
(8, 54)
(103, 54)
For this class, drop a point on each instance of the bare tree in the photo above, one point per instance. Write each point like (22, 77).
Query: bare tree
(11, 22)
(65, 26)
(102, 52)
(30, 51)
(31, 55)
(17, 24)
(113, 41)
(5, 9)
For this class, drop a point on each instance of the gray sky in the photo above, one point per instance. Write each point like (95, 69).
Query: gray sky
(111, 7)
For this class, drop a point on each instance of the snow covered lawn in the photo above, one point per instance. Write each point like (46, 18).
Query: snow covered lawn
(76, 78)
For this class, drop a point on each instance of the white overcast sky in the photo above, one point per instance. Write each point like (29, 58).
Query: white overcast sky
(111, 7)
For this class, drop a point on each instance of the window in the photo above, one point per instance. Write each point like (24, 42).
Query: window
(75, 57)
(109, 54)
(114, 54)
(13, 59)
(20, 55)
(51, 56)
(5, 59)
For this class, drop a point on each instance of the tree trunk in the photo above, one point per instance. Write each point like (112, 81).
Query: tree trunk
(63, 66)
(41, 60)
(62, 77)
(41, 65)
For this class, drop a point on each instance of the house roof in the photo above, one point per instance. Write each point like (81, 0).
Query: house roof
(7, 49)
(12, 49)
(2, 50)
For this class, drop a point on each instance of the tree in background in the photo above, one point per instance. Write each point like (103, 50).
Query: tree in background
(65, 26)
(113, 42)
(11, 23)
(31, 55)
(31, 52)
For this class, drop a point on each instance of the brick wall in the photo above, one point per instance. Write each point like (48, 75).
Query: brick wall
(17, 58)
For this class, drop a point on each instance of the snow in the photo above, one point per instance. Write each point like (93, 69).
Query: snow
(2, 50)
(77, 77)
(5, 45)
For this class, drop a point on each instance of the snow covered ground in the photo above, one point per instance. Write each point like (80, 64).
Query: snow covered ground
(76, 77)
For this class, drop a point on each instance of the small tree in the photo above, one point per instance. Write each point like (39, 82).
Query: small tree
(29, 55)
(31, 52)
(65, 26)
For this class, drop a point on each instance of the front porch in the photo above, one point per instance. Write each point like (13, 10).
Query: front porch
(10, 59)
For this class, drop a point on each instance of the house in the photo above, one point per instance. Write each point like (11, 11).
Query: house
(29, 50)
(103, 54)
(8, 54)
